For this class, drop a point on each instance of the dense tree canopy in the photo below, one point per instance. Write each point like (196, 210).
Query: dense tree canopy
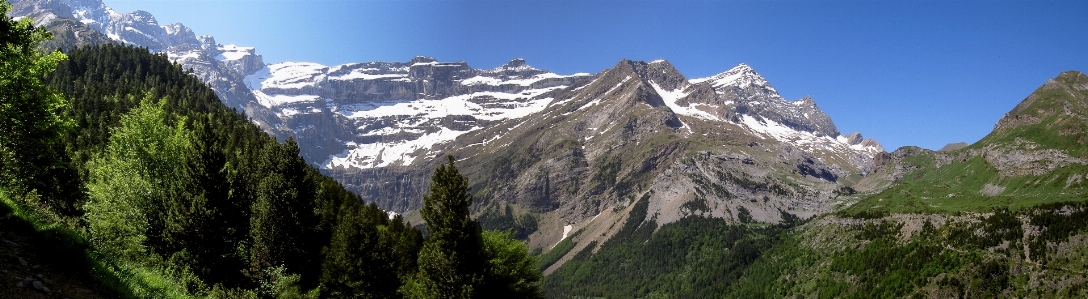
(30, 123)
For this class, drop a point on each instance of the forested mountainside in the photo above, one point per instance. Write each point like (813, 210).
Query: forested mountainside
(158, 189)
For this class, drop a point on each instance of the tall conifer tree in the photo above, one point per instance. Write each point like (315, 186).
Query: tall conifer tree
(450, 263)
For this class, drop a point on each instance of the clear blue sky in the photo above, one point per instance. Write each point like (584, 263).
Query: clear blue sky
(920, 73)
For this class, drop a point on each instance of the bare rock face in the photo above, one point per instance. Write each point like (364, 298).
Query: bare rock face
(872, 144)
(953, 146)
(1026, 158)
(854, 138)
(243, 60)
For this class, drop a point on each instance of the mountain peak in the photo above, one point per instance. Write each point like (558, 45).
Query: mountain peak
(659, 72)
(421, 59)
(1057, 110)
(742, 67)
(741, 76)
(516, 65)
(854, 138)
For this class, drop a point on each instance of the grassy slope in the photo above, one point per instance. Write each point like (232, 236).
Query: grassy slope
(1051, 118)
(957, 187)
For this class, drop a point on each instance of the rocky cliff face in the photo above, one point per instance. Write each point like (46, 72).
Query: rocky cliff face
(382, 114)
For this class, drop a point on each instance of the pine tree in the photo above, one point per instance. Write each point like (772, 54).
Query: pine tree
(284, 217)
(450, 263)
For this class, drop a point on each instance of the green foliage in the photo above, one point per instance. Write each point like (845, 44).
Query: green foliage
(139, 187)
(695, 257)
(31, 155)
(979, 256)
(746, 182)
(743, 215)
(956, 187)
(457, 260)
(369, 255)
(450, 262)
(1058, 109)
(188, 198)
(561, 249)
(1061, 221)
(510, 271)
(697, 204)
(283, 285)
(283, 212)
(494, 218)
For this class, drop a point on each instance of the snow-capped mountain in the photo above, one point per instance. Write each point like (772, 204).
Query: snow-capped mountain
(751, 94)
(221, 66)
(378, 126)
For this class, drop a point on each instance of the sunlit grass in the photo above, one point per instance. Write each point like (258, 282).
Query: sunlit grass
(128, 279)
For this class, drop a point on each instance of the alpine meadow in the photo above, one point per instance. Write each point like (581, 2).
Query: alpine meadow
(142, 160)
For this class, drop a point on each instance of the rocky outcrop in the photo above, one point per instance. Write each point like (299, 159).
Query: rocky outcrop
(1025, 158)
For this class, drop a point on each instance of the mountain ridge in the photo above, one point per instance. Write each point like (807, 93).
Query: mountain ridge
(563, 149)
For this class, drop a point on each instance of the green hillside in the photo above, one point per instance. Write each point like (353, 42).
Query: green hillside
(1035, 155)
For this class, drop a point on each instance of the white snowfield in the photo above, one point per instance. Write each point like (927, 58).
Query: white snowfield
(805, 140)
(761, 127)
(286, 75)
(672, 96)
(483, 80)
(418, 113)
